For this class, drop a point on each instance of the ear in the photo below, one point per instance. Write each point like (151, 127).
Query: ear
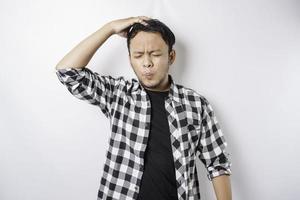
(172, 56)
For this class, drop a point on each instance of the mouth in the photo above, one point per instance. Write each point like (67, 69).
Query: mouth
(148, 74)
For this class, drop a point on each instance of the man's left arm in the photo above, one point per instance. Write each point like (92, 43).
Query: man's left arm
(222, 187)
(213, 152)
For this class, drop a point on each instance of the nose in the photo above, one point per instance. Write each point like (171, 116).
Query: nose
(147, 62)
(147, 65)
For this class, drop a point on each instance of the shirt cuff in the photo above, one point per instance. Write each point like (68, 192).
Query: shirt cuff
(218, 172)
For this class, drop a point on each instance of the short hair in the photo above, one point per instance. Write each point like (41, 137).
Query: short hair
(155, 26)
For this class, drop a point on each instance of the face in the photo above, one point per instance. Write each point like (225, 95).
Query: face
(150, 60)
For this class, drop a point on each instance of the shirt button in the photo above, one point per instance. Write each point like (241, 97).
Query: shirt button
(147, 125)
(141, 167)
(136, 187)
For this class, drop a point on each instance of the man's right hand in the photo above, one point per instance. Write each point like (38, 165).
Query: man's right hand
(120, 26)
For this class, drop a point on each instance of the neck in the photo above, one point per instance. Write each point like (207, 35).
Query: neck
(167, 83)
(166, 86)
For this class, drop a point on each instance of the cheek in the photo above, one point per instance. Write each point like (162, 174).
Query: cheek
(136, 66)
(162, 63)
(133, 62)
(136, 62)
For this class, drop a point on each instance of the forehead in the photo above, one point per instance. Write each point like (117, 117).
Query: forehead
(148, 41)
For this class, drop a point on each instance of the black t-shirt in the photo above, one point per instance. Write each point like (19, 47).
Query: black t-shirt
(158, 180)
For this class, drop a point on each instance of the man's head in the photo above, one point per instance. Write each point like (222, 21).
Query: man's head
(151, 53)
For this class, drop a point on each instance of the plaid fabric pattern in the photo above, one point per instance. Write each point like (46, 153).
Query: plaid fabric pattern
(194, 132)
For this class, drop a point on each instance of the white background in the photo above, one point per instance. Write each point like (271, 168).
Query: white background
(242, 55)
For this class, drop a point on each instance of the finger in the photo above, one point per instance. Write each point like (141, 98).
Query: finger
(141, 21)
(145, 17)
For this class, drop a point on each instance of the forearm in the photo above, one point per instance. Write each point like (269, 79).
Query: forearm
(222, 187)
(82, 53)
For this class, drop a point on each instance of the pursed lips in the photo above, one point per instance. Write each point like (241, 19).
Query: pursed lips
(148, 74)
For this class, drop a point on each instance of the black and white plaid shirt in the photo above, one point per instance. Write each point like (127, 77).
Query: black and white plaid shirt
(194, 132)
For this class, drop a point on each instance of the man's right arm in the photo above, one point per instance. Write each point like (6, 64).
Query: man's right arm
(82, 53)
(82, 82)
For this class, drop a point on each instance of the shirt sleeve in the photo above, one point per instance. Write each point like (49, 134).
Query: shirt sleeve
(89, 86)
(212, 145)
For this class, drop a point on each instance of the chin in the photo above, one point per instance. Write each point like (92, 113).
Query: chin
(149, 84)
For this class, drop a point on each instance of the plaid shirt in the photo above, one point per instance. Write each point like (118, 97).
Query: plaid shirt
(194, 132)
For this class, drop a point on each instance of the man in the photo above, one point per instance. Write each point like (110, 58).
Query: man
(157, 126)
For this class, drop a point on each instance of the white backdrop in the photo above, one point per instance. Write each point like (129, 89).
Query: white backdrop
(242, 55)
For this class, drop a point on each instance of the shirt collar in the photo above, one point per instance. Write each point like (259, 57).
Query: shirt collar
(173, 91)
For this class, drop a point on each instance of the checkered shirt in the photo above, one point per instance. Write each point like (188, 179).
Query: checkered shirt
(194, 132)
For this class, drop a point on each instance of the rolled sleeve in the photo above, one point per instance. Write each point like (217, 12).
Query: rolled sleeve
(212, 145)
(88, 86)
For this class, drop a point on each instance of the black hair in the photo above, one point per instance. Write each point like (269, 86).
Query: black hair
(153, 25)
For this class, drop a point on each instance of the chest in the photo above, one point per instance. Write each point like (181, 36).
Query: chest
(131, 118)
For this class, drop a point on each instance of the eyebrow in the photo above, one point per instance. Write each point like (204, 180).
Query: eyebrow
(149, 51)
